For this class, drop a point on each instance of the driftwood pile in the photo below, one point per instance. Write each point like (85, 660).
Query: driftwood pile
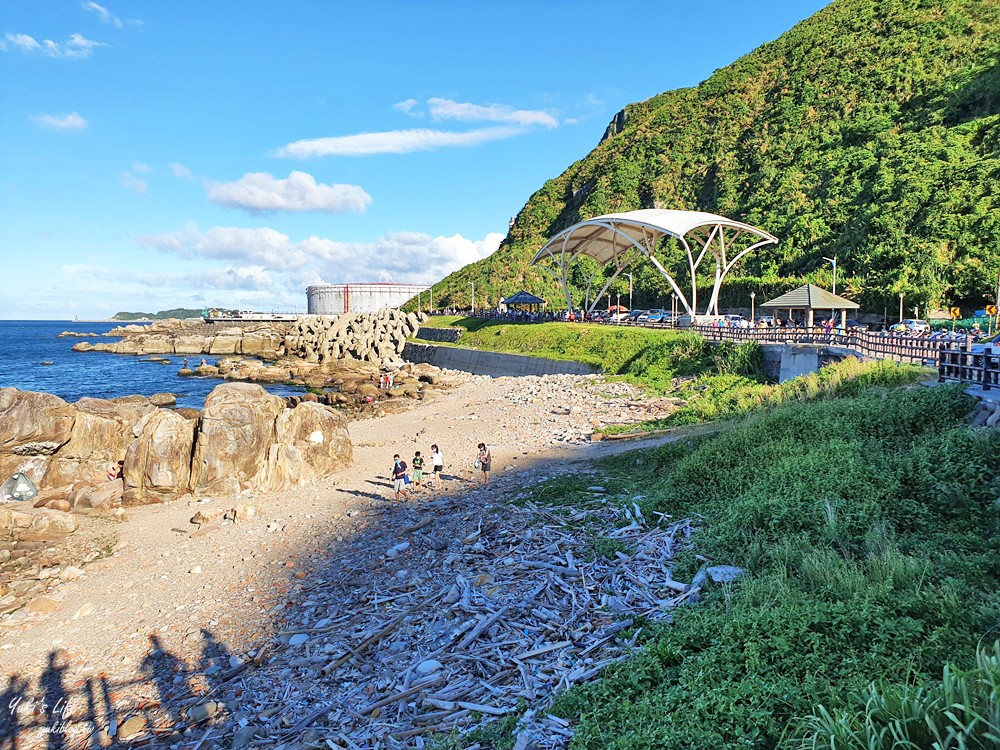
(520, 608)
(369, 337)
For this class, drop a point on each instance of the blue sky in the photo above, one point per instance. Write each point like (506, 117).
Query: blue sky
(188, 154)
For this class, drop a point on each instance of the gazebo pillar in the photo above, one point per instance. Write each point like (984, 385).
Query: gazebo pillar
(809, 318)
(843, 320)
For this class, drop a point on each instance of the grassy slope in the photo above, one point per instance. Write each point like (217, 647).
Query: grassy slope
(717, 382)
(867, 526)
(870, 131)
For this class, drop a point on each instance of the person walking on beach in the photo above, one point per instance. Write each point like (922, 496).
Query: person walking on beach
(399, 478)
(418, 471)
(437, 466)
(483, 462)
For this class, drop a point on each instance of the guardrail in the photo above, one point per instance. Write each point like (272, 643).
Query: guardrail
(924, 351)
(963, 366)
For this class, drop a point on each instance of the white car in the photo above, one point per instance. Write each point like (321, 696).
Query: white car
(913, 325)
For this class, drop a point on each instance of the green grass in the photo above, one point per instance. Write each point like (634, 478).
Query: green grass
(717, 382)
(867, 525)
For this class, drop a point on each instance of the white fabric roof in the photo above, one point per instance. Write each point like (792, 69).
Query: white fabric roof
(602, 238)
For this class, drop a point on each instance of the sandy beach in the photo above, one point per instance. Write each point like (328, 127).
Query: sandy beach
(160, 600)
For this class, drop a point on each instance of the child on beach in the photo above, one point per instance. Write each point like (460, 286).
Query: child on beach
(418, 470)
(437, 465)
(484, 462)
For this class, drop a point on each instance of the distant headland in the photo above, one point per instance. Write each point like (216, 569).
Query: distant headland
(177, 312)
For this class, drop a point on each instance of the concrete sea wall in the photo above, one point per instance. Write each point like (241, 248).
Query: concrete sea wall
(491, 363)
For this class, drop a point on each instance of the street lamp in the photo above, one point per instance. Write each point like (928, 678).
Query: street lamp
(673, 308)
(753, 296)
(618, 309)
(901, 295)
(833, 260)
(629, 291)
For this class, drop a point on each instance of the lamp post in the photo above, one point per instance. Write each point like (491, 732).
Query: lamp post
(673, 308)
(473, 297)
(753, 296)
(629, 291)
(833, 260)
(618, 310)
(901, 295)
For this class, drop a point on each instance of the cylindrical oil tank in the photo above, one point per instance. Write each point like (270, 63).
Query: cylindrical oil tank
(336, 299)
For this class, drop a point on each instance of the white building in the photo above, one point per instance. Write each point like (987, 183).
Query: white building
(336, 299)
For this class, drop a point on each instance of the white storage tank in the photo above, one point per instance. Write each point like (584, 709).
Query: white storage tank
(337, 299)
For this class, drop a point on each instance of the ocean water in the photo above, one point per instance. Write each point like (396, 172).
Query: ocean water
(26, 344)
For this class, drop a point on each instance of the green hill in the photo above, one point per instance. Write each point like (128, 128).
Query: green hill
(870, 131)
(177, 312)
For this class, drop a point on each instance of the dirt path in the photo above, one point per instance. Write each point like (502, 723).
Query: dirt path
(144, 625)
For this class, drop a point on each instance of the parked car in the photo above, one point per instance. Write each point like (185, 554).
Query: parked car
(767, 320)
(652, 316)
(618, 317)
(853, 325)
(634, 315)
(979, 349)
(914, 325)
(735, 321)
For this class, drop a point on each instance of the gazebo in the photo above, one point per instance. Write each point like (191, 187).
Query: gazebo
(811, 298)
(524, 299)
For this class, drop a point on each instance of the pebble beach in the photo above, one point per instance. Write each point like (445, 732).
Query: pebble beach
(152, 612)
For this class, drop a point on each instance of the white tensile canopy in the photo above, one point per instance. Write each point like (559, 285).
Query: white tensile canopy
(623, 238)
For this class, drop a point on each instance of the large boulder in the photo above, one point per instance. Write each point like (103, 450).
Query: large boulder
(22, 523)
(312, 442)
(33, 426)
(158, 462)
(101, 496)
(235, 434)
(102, 432)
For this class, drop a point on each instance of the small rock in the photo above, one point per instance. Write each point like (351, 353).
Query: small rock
(243, 737)
(298, 639)
(203, 712)
(429, 667)
(235, 661)
(272, 527)
(244, 512)
(85, 610)
(398, 549)
(70, 573)
(132, 726)
(195, 570)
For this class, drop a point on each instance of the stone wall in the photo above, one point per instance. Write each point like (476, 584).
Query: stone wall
(491, 363)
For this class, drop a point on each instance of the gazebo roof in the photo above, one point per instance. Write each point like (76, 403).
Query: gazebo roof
(523, 298)
(603, 238)
(811, 297)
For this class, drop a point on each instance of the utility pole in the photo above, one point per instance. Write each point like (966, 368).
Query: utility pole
(473, 297)
(833, 260)
(901, 295)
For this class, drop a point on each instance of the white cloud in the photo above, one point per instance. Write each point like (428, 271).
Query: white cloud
(136, 184)
(243, 277)
(21, 41)
(179, 170)
(392, 142)
(103, 13)
(77, 46)
(138, 166)
(108, 17)
(406, 105)
(259, 192)
(447, 109)
(408, 257)
(72, 121)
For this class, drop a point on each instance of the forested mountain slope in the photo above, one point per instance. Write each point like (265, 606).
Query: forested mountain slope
(869, 132)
